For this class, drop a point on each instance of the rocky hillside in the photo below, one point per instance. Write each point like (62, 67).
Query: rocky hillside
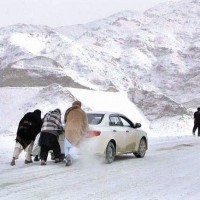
(154, 56)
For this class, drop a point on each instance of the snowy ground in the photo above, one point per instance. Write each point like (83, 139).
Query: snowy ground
(169, 171)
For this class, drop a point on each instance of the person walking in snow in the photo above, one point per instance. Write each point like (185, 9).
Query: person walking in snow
(197, 121)
(51, 129)
(76, 126)
(29, 126)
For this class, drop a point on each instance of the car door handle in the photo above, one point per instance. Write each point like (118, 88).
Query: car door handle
(127, 131)
(114, 131)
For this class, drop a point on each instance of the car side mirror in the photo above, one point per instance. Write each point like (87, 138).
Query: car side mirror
(138, 125)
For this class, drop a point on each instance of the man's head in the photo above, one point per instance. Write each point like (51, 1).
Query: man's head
(76, 103)
(198, 108)
(57, 110)
(37, 112)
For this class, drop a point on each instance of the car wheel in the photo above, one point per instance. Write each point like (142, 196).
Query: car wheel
(142, 149)
(110, 153)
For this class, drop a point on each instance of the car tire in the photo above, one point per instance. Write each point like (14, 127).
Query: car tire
(110, 153)
(142, 149)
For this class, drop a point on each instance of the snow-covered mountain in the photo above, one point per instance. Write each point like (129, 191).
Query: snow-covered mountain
(154, 56)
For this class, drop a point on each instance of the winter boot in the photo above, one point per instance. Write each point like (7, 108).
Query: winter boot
(36, 159)
(43, 162)
(62, 157)
(68, 160)
(28, 161)
(12, 163)
(57, 160)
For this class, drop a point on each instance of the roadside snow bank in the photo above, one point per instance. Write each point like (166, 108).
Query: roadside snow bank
(171, 126)
(111, 101)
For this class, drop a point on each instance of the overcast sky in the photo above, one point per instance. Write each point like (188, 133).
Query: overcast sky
(65, 12)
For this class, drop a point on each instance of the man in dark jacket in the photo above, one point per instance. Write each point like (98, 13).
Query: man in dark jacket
(29, 126)
(197, 121)
(51, 129)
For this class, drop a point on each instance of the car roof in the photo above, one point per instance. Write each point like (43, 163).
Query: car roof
(103, 112)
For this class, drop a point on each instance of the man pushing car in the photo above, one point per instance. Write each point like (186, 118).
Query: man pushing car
(76, 126)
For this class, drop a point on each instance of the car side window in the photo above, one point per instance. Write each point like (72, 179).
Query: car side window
(94, 118)
(126, 122)
(115, 121)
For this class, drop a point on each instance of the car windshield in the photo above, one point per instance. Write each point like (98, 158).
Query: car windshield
(94, 118)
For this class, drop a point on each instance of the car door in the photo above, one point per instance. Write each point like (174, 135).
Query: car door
(118, 133)
(130, 132)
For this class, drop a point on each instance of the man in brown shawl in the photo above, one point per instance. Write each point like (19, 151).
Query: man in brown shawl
(76, 126)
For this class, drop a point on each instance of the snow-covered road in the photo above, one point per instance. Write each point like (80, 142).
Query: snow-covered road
(169, 171)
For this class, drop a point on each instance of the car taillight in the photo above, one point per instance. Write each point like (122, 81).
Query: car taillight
(93, 133)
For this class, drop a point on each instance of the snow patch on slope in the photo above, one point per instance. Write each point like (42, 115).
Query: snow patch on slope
(32, 44)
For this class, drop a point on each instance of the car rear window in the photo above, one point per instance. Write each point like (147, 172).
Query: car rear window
(94, 118)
